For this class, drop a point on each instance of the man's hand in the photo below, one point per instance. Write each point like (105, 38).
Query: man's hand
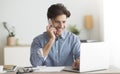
(47, 47)
(51, 31)
(76, 64)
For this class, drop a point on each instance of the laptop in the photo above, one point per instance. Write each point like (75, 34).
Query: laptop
(93, 57)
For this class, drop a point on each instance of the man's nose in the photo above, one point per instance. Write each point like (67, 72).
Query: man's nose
(61, 24)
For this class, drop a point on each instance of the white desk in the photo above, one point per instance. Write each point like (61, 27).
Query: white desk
(111, 70)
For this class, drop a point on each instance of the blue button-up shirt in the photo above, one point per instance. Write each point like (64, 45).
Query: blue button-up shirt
(64, 51)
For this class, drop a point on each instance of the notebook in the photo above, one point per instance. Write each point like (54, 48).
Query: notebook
(9, 67)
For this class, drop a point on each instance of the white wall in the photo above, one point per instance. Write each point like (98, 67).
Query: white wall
(29, 16)
(112, 29)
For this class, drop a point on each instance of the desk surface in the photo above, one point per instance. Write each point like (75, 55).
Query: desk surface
(112, 69)
(59, 73)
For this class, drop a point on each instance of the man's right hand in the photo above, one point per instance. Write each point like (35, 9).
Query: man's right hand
(51, 31)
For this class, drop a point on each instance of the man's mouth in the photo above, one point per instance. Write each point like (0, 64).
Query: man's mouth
(59, 30)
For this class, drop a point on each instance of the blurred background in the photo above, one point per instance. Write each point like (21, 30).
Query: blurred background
(29, 19)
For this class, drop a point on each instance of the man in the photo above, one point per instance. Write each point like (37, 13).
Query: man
(56, 46)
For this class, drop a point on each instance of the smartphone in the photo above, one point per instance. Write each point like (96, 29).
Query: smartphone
(50, 22)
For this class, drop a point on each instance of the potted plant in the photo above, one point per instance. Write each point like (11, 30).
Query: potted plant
(73, 29)
(11, 34)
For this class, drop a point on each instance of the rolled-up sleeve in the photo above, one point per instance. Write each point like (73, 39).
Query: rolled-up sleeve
(35, 58)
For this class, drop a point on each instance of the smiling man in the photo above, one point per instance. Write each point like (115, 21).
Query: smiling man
(56, 46)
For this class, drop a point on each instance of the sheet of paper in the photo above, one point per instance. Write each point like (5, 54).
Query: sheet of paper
(49, 69)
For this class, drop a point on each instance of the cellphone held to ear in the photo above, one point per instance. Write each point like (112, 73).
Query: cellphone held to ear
(50, 22)
(51, 25)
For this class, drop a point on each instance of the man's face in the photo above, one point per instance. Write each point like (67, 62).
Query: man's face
(59, 23)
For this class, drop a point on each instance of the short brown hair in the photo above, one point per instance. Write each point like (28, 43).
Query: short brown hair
(57, 9)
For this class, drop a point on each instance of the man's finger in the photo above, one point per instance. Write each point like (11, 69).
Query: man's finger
(74, 65)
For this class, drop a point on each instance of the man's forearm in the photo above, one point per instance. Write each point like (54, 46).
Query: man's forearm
(47, 47)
